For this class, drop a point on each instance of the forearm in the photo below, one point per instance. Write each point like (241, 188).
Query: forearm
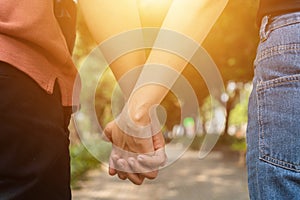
(108, 18)
(191, 18)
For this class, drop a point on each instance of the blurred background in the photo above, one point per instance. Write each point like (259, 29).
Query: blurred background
(222, 175)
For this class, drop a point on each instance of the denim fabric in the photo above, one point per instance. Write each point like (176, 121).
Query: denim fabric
(273, 133)
(34, 154)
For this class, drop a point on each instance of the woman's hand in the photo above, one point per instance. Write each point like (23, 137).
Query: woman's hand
(138, 151)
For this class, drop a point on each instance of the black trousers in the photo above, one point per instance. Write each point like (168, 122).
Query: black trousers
(34, 140)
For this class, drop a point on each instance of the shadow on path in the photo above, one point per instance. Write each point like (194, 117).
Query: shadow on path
(214, 178)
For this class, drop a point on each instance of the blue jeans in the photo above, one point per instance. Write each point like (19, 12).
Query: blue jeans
(273, 134)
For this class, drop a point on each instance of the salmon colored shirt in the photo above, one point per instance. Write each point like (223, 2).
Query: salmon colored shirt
(32, 41)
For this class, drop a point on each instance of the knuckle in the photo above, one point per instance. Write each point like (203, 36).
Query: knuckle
(122, 177)
(139, 182)
(152, 175)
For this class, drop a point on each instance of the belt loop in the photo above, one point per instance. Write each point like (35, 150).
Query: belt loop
(263, 29)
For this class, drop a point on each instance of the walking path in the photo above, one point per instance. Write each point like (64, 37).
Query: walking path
(214, 178)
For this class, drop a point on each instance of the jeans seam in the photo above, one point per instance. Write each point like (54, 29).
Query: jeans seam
(258, 182)
(260, 119)
(277, 82)
(280, 163)
(272, 51)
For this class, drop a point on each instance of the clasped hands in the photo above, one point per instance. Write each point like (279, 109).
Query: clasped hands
(138, 145)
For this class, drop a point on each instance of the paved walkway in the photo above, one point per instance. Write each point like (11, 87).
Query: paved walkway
(214, 178)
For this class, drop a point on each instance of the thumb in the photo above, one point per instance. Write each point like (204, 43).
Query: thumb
(107, 133)
(158, 141)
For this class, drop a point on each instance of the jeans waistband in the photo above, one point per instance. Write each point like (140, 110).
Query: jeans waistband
(271, 22)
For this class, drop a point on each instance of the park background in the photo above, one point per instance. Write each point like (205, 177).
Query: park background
(232, 44)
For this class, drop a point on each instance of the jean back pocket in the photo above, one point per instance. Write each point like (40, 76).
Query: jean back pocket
(279, 121)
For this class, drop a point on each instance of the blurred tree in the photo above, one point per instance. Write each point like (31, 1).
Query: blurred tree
(233, 40)
(84, 41)
(231, 43)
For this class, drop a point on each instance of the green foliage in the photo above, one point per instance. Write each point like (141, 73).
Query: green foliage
(81, 161)
(239, 144)
(84, 41)
(239, 116)
(239, 113)
(104, 97)
(207, 108)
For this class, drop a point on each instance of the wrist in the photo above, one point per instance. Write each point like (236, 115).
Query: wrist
(145, 114)
(141, 121)
(130, 127)
(139, 112)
